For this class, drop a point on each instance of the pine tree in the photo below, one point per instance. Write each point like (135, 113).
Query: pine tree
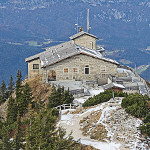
(17, 141)
(53, 99)
(11, 111)
(67, 98)
(3, 91)
(19, 95)
(63, 142)
(10, 86)
(25, 99)
(3, 88)
(6, 144)
(18, 86)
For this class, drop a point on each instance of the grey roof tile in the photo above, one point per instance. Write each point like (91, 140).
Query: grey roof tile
(62, 51)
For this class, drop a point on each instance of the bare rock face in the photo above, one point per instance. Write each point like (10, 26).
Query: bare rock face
(3, 110)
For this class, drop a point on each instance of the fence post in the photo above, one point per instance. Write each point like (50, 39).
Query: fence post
(70, 105)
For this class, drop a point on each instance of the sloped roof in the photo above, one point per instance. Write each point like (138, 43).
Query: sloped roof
(80, 34)
(65, 50)
(59, 46)
(111, 85)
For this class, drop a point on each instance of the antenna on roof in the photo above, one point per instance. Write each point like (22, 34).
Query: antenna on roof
(88, 24)
(77, 24)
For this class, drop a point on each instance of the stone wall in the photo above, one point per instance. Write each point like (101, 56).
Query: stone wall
(86, 41)
(34, 72)
(96, 72)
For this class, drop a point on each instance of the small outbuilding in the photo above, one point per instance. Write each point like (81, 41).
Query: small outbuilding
(114, 86)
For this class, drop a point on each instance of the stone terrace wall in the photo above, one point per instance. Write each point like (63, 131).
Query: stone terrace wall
(140, 79)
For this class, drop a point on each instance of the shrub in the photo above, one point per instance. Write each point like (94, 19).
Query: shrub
(136, 105)
(145, 129)
(147, 118)
(102, 97)
(59, 96)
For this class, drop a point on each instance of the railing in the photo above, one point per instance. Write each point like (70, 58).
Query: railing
(139, 78)
(66, 106)
(76, 92)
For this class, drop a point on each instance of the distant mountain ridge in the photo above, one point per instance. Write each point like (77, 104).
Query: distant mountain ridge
(122, 25)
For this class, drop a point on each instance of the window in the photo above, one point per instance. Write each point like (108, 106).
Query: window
(104, 75)
(86, 69)
(35, 66)
(75, 69)
(66, 70)
(103, 68)
(91, 45)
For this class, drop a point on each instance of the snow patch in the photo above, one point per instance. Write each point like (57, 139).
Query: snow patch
(102, 145)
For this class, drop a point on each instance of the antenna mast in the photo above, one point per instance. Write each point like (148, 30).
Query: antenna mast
(88, 24)
(77, 24)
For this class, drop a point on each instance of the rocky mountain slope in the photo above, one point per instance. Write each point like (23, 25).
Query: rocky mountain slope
(113, 129)
(122, 26)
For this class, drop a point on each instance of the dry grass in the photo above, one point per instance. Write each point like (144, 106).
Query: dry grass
(78, 111)
(99, 133)
(66, 112)
(40, 91)
(148, 104)
(89, 127)
(85, 147)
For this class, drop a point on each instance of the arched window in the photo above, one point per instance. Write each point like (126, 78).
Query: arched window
(86, 69)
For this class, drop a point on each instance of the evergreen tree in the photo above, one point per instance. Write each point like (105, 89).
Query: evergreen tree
(17, 141)
(67, 98)
(11, 111)
(3, 91)
(10, 86)
(19, 95)
(18, 86)
(3, 88)
(25, 99)
(5, 144)
(63, 142)
(54, 100)
(59, 96)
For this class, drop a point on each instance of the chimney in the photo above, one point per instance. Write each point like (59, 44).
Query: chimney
(81, 29)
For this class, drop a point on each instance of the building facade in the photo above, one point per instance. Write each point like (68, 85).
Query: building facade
(77, 59)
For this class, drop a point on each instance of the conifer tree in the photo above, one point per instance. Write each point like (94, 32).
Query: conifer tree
(10, 86)
(63, 142)
(3, 91)
(5, 139)
(53, 99)
(18, 86)
(67, 98)
(25, 99)
(17, 141)
(11, 111)
(3, 88)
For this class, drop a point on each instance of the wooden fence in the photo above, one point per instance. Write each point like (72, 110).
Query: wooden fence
(66, 106)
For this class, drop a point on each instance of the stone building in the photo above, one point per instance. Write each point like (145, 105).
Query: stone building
(78, 59)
